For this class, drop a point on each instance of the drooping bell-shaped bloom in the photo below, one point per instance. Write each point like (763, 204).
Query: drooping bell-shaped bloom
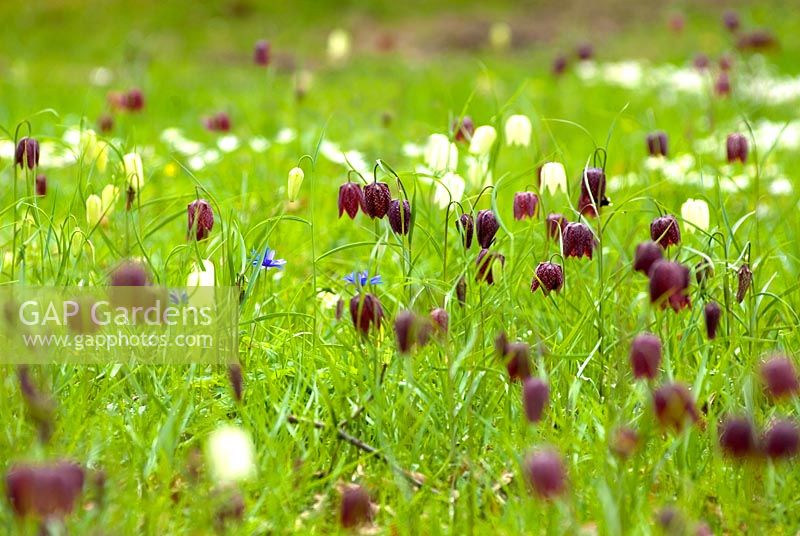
(781, 440)
(400, 216)
(553, 176)
(133, 100)
(490, 266)
(218, 122)
(486, 226)
(578, 240)
(549, 276)
(695, 213)
(366, 311)
(737, 438)
(556, 224)
(449, 188)
(294, 182)
(585, 51)
(466, 226)
(45, 492)
(701, 62)
(27, 153)
(780, 377)
(674, 405)
(201, 219)
(463, 129)
(712, 313)
(377, 198)
(518, 130)
(261, 53)
(94, 210)
(703, 271)
(134, 171)
(441, 320)
(593, 191)
(744, 279)
(351, 197)
(736, 147)
(500, 36)
(105, 123)
(722, 85)
(645, 356)
(230, 455)
(201, 276)
(440, 154)
(526, 205)
(482, 140)
(404, 330)
(559, 65)
(646, 254)
(338, 45)
(519, 363)
(625, 442)
(129, 274)
(657, 143)
(535, 394)
(730, 19)
(355, 508)
(544, 470)
(41, 185)
(669, 282)
(665, 231)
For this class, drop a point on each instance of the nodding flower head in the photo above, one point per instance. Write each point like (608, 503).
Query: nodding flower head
(466, 224)
(737, 438)
(578, 240)
(490, 265)
(701, 62)
(404, 324)
(549, 276)
(261, 53)
(669, 282)
(377, 198)
(461, 290)
(351, 197)
(361, 279)
(545, 473)
(535, 394)
(400, 220)
(712, 313)
(782, 440)
(553, 177)
(745, 279)
(722, 85)
(556, 224)
(219, 122)
(665, 231)
(41, 185)
(730, 19)
(559, 65)
(44, 491)
(585, 51)
(703, 271)
(647, 253)
(440, 319)
(486, 227)
(657, 143)
(625, 442)
(463, 129)
(366, 311)
(526, 205)
(736, 147)
(267, 260)
(780, 377)
(133, 100)
(518, 364)
(355, 508)
(645, 356)
(201, 219)
(593, 192)
(129, 274)
(27, 153)
(674, 405)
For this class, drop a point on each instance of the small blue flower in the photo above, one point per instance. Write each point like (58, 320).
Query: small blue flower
(360, 279)
(178, 297)
(268, 260)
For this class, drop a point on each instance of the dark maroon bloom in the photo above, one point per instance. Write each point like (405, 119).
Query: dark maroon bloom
(781, 440)
(466, 224)
(737, 148)
(549, 276)
(461, 290)
(677, 22)
(657, 143)
(339, 309)
(526, 205)
(41, 185)
(745, 279)
(625, 442)
(440, 319)
(737, 437)
(646, 254)
(712, 313)
(780, 376)
(593, 191)
(665, 231)
(645, 355)
(701, 62)
(518, 364)
(703, 271)
(556, 224)
(27, 153)
(722, 85)
(366, 310)
(377, 198)
(585, 51)
(133, 101)
(355, 508)
(261, 53)
(201, 219)
(463, 129)
(400, 221)
(726, 62)
(236, 379)
(578, 240)
(105, 123)
(404, 330)
(702, 529)
(731, 20)
(486, 226)
(669, 282)
(44, 491)
(486, 265)
(350, 198)
(535, 394)
(756, 40)
(129, 274)
(674, 405)
(229, 508)
(41, 407)
(219, 122)
(501, 344)
(671, 521)
(546, 473)
(130, 197)
(559, 65)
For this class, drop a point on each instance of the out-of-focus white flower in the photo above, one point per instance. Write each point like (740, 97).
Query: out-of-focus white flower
(228, 143)
(482, 140)
(328, 299)
(94, 210)
(229, 454)
(8, 260)
(338, 45)
(259, 144)
(201, 276)
(780, 186)
(500, 35)
(108, 196)
(134, 171)
(302, 81)
(203, 159)
(478, 172)
(412, 150)
(286, 135)
(449, 188)
(440, 154)
(554, 177)
(695, 213)
(294, 182)
(518, 130)
(95, 150)
(101, 76)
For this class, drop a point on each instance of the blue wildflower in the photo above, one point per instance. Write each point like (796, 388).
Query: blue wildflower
(178, 297)
(268, 260)
(360, 279)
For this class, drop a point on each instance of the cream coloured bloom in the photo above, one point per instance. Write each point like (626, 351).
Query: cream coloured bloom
(94, 210)
(518, 130)
(554, 177)
(440, 154)
(482, 140)
(449, 188)
(108, 196)
(294, 182)
(338, 45)
(229, 454)
(134, 171)
(695, 213)
(201, 276)
(95, 150)
(500, 35)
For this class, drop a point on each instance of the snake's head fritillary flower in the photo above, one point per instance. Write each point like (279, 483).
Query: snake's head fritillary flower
(366, 312)
(665, 231)
(704, 271)
(518, 364)
(440, 153)
(647, 253)
(518, 130)
(737, 438)
(726, 62)
(490, 266)
(744, 278)
(695, 212)
(27, 153)
(780, 377)
(105, 123)
(578, 240)
(593, 191)
(556, 224)
(463, 129)
(351, 197)
(261, 53)
(377, 198)
(461, 290)
(201, 275)
(712, 313)
(736, 147)
(133, 100)
(129, 274)
(400, 219)
(756, 40)
(355, 508)
(645, 356)
(657, 143)
(294, 182)
(230, 455)
(545, 473)
(585, 51)
(674, 406)
(671, 521)
(559, 65)
(669, 282)
(134, 171)
(201, 219)
(722, 85)
(676, 22)
(236, 380)
(553, 176)
(625, 442)
(44, 491)
(41, 185)
(535, 394)
(781, 440)
(219, 122)
(440, 319)
(730, 19)
(526, 205)
(549, 276)
(466, 225)
(404, 330)
(486, 226)
(482, 140)
(701, 62)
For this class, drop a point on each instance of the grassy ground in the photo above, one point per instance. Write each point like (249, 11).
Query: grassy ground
(447, 413)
